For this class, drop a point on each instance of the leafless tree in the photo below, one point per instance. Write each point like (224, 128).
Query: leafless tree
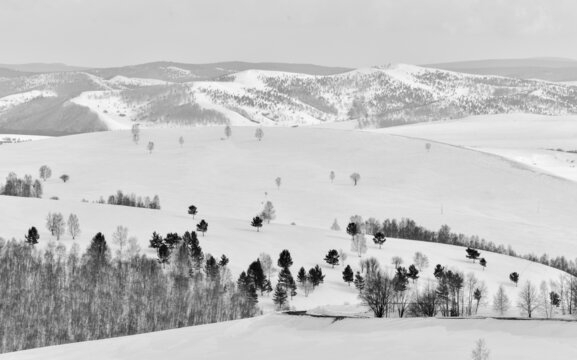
(528, 299)
(73, 226)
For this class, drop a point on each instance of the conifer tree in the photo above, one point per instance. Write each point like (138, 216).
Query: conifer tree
(348, 275)
(472, 254)
(413, 273)
(379, 239)
(163, 254)
(278, 182)
(302, 276)
(256, 222)
(280, 297)
(483, 263)
(223, 261)
(352, 229)
(256, 275)
(332, 257)
(332, 176)
(514, 277)
(285, 260)
(202, 226)
(32, 236)
(335, 226)
(316, 276)
(156, 240)
(192, 210)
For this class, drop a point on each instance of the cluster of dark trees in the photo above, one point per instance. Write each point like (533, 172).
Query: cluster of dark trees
(132, 200)
(23, 187)
(94, 296)
(409, 229)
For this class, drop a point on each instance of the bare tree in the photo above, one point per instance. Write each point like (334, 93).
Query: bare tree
(428, 146)
(135, 133)
(227, 131)
(335, 226)
(332, 176)
(259, 134)
(355, 177)
(150, 147)
(277, 182)
(55, 224)
(45, 172)
(480, 352)
(421, 260)
(73, 226)
(120, 238)
(343, 256)
(501, 303)
(266, 264)
(396, 261)
(359, 244)
(181, 141)
(528, 299)
(133, 248)
(377, 293)
(370, 266)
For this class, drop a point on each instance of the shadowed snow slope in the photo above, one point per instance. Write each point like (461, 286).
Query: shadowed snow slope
(282, 337)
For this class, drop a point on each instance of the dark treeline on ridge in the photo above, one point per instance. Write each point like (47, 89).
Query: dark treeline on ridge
(95, 295)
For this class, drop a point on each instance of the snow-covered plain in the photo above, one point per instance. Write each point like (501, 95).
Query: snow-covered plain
(525, 138)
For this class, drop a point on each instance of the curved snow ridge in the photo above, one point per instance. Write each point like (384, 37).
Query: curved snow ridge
(120, 80)
(103, 104)
(10, 101)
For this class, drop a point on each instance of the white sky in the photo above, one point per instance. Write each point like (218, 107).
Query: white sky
(327, 32)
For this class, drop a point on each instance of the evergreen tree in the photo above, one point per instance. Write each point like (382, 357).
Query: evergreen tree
(202, 227)
(256, 275)
(439, 271)
(332, 176)
(64, 178)
(156, 241)
(223, 261)
(352, 229)
(171, 240)
(280, 297)
(401, 279)
(181, 141)
(316, 276)
(32, 236)
(285, 260)
(256, 222)
(355, 177)
(483, 263)
(359, 281)
(348, 275)
(98, 253)
(163, 254)
(302, 276)
(379, 239)
(472, 254)
(192, 210)
(413, 273)
(514, 277)
(332, 257)
(211, 269)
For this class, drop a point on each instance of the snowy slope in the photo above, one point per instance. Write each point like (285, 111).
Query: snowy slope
(541, 142)
(283, 337)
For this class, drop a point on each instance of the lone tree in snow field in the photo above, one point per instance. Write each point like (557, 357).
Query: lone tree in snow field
(227, 131)
(32, 236)
(348, 275)
(355, 177)
(332, 257)
(64, 178)
(181, 141)
(135, 133)
(202, 227)
(514, 277)
(332, 176)
(428, 146)
(472, 254)
(285, 259)
(379, 239)
(150, 147)
(277, 182)
(73, 226)
(483, 263)
(256, 222)
(192, 210)
(335, 226)
(45, 172)
(268, 213)
(259, 134)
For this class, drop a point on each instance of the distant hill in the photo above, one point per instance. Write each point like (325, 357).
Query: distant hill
(238, 93)
(549, 69)
(9, 73)
(42, 67)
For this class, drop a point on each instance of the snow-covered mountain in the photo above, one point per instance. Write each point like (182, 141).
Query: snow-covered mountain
(169, 94)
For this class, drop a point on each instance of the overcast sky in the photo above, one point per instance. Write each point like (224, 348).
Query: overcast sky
(328, 32)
